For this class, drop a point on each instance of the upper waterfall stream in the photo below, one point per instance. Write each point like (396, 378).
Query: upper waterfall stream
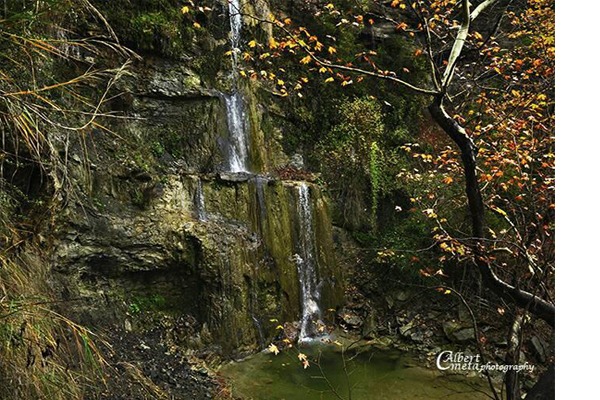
(237, 121)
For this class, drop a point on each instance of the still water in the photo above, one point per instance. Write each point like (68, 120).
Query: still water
(371, 375)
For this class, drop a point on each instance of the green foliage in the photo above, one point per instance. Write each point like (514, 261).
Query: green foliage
(375, 172)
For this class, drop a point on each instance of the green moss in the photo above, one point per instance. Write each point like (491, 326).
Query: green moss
(153, 26)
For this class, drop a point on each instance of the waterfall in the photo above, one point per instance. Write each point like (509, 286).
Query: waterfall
(199, 203)
(307, 268)
(237, 151)
(235, 20)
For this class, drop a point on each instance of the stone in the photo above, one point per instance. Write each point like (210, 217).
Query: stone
(234, 176)
(369, 329)
(540, 348)
(402, 295)
(350, 319)
(297, 161)
(456, 333)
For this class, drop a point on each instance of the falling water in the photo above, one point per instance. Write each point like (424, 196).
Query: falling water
(237, 151)
(199, 203)
(236, 121)
(307, 268)
(235, 20)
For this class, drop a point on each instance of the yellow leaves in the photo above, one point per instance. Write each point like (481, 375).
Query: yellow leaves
(280, 82)
(279, 327)
(398, 4)
(346, 83)
(305, 60)
(185, 9)
(430, 213)
(196, 25)
(329, 6)
(252, 44)
(322, 70)
(331, 50)
(448, 180)
(243, 73)
(273, 349)
(273, 44)
(287, 21)
(330, 79)
(304, 360)
(499, 211)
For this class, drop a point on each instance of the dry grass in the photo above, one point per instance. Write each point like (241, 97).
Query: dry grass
(43, 354)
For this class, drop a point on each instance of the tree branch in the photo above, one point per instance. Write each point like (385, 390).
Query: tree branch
(481, 7)
(459, 42)
(329, 64)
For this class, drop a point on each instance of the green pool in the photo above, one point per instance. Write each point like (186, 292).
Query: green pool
(372, 374)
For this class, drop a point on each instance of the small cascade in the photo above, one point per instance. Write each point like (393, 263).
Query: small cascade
(237, 153)
(307, 268)
(260, 182)
(237, 148)
(199, 203)
(235, 20)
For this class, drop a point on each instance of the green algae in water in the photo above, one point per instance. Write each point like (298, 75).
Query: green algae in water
(373, 375)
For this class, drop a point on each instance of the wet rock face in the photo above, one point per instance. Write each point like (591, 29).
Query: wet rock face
(232, 272)
(137, 238)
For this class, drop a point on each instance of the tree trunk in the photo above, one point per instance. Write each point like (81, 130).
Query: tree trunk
(513, 390)
(544, 387)
(458, 134)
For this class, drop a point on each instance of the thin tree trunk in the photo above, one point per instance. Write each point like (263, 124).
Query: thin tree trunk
(513, 391)
(544, 389)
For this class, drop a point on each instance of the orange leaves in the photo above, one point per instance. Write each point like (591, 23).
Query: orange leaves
(401, 26)
(448, 180)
